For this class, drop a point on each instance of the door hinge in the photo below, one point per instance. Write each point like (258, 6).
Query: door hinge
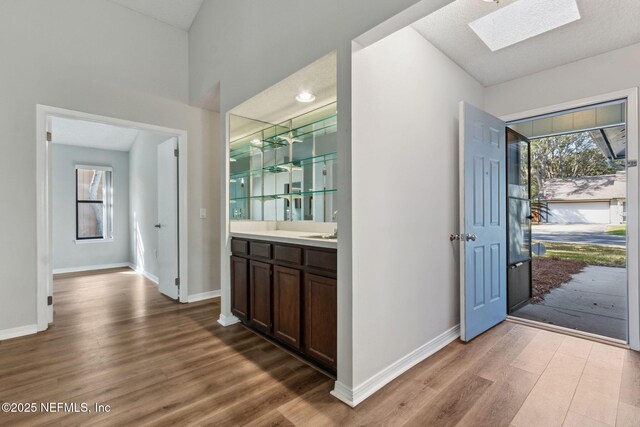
(632, 163)
(49, 136)
(177, 281)
(49, 300)
(176, 152)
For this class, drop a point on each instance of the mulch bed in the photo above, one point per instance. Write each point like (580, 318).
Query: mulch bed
(550, 273)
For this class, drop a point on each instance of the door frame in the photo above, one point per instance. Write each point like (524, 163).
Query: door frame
(633, 187)
(44, 249)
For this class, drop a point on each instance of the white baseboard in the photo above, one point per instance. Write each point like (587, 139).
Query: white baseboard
(203, 296)
(228, 320)
(357, 395)
(146, 274)
(18, 332)
(151, 277)
(90, 268)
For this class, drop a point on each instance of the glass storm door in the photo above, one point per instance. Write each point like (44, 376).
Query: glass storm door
(519, 221)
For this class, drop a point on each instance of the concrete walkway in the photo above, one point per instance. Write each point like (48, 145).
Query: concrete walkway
(594, 300)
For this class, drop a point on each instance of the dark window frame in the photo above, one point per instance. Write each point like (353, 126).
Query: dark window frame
(107, 205)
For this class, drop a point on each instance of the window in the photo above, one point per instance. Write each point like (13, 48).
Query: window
(94, 203)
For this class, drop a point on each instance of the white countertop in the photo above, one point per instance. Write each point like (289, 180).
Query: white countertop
(287, 236)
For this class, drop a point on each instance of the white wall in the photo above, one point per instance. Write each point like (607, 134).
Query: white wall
(143, 212)
(405, 197)
(67, 254)
(609, 72)
(239, 48)
(97, 57)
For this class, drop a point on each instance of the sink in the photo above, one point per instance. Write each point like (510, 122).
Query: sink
(322, 236)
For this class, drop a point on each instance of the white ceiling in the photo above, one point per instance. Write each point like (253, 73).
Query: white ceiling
(91, 134)
(605, 25)
(278, 102)
(177, 13)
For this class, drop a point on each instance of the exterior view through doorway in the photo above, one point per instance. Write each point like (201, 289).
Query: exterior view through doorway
(567, 219)
(605, 271)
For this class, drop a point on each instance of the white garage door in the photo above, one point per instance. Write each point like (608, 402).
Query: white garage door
(579, 213)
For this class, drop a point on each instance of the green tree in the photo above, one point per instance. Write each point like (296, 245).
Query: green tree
(566, 156)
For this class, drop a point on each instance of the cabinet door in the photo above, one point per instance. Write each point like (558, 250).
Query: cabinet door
(287, 294)
(320, 318)
(260, 285)
(239, 287)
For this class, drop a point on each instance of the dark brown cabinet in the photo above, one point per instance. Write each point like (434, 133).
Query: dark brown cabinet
(239, 287)
(260, 296)
(287, 304)
(289, 293)
(321, 318)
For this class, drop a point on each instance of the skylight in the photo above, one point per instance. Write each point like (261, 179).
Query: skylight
(522, 20)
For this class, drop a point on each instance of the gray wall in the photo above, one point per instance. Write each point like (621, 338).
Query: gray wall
(143, 214)
(104, 59)
(68, 254)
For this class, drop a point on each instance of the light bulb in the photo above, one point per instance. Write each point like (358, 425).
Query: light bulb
(305, 97)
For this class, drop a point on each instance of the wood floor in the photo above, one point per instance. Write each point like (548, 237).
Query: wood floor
(116, 341)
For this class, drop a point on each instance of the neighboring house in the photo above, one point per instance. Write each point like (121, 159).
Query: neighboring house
(587, 199)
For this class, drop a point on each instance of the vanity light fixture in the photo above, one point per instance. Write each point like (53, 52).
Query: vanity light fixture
(522, 20)
(305, 97)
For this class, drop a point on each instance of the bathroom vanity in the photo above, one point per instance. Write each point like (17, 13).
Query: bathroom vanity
(288, 292)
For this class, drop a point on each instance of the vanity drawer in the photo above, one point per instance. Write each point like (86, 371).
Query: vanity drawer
(288, 254)
(322, 260)
(260, 250)
(239, 247)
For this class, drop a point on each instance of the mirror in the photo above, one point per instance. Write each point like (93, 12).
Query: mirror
(285, 171)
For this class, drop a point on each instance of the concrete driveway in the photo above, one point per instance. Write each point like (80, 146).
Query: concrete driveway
(576, 233)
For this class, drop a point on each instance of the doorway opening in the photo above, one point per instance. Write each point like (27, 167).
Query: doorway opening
(113, 195)
(567, 219)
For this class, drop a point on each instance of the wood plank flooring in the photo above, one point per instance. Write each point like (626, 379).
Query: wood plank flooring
(117, 341)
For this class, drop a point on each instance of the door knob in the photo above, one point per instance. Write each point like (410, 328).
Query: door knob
(471, 237)
(158, 226)
(453, 237)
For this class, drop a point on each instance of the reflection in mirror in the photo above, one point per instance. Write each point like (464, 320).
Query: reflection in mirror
(285, 171)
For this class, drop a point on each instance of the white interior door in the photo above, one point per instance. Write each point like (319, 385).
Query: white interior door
(483, 282)
(168, 255)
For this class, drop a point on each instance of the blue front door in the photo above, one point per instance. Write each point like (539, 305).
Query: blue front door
(483, 289)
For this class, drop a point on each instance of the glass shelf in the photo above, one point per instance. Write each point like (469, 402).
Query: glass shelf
(286, 166)
(328, 125)
(271, 165)
(284, 195)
